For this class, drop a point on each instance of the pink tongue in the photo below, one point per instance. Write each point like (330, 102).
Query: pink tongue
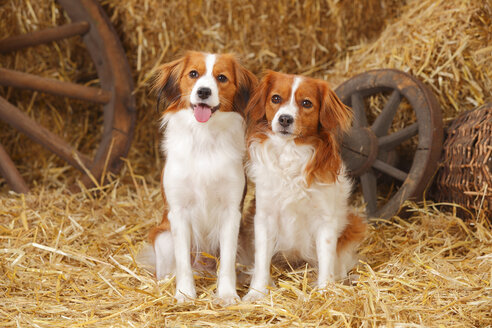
(202, 113)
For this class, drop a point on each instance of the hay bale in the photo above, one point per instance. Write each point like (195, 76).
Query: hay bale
(286, 35)
(447, 44)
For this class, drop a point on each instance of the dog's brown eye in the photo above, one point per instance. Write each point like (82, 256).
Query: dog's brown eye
(307, 104)
(193, 74)
(222, 78)
(276, 99)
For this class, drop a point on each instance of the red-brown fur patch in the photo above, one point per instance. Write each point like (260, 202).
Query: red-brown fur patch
(326, 162)
(354, 232)
(165, 225)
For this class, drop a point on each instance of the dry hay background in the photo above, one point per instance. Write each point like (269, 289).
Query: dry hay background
(67, 259)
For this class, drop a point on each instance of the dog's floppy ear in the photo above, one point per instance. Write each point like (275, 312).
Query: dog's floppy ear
(166, 82)
(333, 113)
(255, 111)
(245, 84)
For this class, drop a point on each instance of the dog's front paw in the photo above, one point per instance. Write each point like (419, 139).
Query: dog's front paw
(182, 295)
(325, 286)
(163, 276)
(255, 295)
(226, 299)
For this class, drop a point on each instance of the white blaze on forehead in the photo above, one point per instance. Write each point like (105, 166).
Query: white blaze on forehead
(290, 108)
(295, 85)
(209, 64)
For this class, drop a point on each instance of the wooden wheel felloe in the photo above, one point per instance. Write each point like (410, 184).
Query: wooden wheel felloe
(115, 93)
(371, 149)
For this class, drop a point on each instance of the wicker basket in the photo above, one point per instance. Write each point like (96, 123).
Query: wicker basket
(465, 176)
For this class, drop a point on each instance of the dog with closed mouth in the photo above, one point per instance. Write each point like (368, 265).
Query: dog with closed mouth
(203, 180)
(301, 188)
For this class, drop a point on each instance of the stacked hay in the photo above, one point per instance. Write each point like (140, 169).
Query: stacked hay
(286, 35)
(446, 44)
(68, 259)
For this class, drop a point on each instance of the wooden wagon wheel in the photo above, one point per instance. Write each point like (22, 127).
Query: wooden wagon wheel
(368, 149)
(115, 94)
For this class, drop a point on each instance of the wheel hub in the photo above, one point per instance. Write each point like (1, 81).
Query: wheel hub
(359, 150)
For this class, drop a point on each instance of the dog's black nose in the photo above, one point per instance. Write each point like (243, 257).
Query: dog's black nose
(285, 120)
(204, 93)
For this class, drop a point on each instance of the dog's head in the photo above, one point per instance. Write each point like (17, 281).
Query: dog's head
(297, 106)
(205, 83)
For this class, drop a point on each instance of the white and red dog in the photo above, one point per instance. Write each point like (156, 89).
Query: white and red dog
(301, 188)
(203, 180)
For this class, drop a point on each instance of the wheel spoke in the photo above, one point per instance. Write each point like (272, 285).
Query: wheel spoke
(360, 119)
(20, 121)
(369, 191)
(383, 122)
(389, 170)
(392, 140)
(72, 90)
(10, 173)
(44, 36)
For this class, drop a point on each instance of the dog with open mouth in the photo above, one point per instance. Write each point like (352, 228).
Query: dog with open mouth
(203, 180)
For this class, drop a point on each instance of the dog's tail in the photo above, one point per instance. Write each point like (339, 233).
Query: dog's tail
(161, 245)
(146, 257)
(353, 234)
(158, 257)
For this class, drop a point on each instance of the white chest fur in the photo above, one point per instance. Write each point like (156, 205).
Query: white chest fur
(278, 165)
(204, 170)
(184, 136)
(294, 211)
